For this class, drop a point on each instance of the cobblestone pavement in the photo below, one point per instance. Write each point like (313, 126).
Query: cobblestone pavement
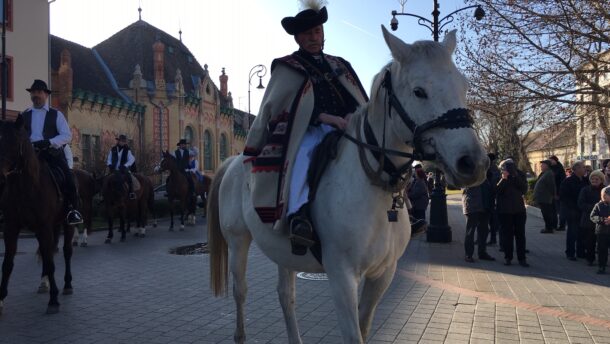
(136, 292)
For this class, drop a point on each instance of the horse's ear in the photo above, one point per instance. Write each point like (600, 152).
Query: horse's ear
(450, 41)
(399, 49)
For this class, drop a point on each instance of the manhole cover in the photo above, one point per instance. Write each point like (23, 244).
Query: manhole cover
(199, 248)
(310, 276)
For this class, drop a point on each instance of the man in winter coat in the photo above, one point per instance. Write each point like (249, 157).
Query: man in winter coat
(544, 196)
(560, 175)
(477, 204)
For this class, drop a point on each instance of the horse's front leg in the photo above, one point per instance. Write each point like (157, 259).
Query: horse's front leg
(11, 234)
(372, 292)
(46, 244)
(122, 222)
(182, 206)
(75, 237)
(110, 233)
(286, 293)
(344, 291)
(171, 215)
(68, 232)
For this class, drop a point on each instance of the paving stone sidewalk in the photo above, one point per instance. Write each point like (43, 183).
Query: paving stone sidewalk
(136, 292)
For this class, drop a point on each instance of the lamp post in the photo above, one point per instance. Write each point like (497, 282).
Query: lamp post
(260, 71)
(439, 229)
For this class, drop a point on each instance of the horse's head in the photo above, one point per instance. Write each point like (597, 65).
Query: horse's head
(16, 152)
(427, 97)
(167, 163)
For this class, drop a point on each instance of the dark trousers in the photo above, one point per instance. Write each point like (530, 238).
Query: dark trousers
(419, 213)
(478, 222)
(56, 158)
(602, 249)
(573, 222)
(549, 214)
(589, 239)
(494, 224)
(189, 180)
(513, 232)
(561, 213)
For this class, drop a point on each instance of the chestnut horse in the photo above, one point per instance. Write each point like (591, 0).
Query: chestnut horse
(86, 185)
(30, 199)
(116, 199)
(177, 189)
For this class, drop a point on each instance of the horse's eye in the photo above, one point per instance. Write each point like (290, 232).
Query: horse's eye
(420, 93)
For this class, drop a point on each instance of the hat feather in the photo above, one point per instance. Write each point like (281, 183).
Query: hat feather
(312, 4)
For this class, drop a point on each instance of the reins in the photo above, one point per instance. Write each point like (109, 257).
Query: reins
(452, 119)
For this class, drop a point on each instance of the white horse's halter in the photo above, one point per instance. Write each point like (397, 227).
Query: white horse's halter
(452, 119)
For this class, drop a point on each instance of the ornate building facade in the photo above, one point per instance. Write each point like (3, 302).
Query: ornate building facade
(145, 84)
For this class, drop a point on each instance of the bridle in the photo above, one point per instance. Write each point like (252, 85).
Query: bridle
(452, 119)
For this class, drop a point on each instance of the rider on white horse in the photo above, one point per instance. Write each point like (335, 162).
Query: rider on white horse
(337, 92)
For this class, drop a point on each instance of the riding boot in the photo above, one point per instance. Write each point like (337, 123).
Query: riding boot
(73, 217)
(301, 231)
(130, 185)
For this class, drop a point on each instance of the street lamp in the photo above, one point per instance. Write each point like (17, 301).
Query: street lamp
(260, 71)
(439, 229)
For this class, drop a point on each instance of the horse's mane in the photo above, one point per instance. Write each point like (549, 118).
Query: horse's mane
(17, 138)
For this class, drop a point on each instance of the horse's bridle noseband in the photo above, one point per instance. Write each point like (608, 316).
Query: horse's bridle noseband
(452, 119)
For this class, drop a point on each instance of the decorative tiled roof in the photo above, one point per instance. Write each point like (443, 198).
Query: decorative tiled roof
(133, 45)
(88, 74)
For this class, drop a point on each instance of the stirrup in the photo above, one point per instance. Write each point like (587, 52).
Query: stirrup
(74, 217)
(301, 232)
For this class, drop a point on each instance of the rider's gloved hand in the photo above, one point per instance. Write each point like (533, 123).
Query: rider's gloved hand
(42, 144)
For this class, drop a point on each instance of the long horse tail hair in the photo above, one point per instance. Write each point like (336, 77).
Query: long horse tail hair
(219, 280)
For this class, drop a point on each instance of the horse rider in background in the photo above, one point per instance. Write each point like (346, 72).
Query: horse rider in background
(182, 156)
(49, 133)
(121, 159)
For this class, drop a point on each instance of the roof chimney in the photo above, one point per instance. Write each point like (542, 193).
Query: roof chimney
(223, 83)
(159, 56)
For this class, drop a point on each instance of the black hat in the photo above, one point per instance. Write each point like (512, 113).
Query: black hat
(182, 142)
(39, 85)
(547, 162)
(121, 138)
(305, 20)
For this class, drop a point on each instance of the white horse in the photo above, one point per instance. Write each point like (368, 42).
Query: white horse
(359, 244)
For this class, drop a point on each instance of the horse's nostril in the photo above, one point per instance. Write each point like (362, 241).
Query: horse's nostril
(466, 165)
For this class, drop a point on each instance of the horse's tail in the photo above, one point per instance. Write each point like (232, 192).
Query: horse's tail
(219, 281)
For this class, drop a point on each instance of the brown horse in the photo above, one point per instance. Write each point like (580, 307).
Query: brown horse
(86, 185)
(30, 199)
(178, 189)
(116, 198)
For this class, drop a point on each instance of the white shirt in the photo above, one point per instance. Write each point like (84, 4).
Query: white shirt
(130, 159)
(38, 116)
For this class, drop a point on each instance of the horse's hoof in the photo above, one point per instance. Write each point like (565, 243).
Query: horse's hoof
(142, 235)
(83, 244)
(52, 309)
(123, 239)
(107, 241)
(155, 224)
(68, 291)
(43, 289)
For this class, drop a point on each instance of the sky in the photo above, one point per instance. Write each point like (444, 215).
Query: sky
(240, 34)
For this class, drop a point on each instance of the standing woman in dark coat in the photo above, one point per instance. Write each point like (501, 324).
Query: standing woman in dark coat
(588, 197)
(511, 211)
(418, 194)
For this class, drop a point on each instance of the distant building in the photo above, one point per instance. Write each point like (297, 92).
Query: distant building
(146, 84)
(558, 140)
(27, 47)
(592, 146)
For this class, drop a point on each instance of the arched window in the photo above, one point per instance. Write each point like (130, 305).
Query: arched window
(188, 135)
(208, 150)
(223, 147)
